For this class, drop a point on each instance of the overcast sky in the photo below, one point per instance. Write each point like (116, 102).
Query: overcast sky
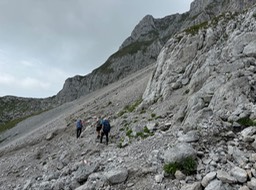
(44, 42)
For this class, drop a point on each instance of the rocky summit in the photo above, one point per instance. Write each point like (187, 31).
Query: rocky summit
(187, 122)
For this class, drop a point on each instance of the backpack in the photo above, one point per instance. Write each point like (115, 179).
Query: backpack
(98, 124)
(106, 126)
(79, 124)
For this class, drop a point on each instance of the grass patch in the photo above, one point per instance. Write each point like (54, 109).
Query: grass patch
(187, 166)
(119, 145)
(11, 124)
(153, 115)
(130, 108)
(146, 130)
(171, 168)
(141, 134)
(144, 134)
(129, 133)
(246, 121)
(14, 122)
(194, 29)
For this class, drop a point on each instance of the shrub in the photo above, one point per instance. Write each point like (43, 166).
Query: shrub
(129, 108)
(187, 166)
(153, 115)
(142, 111)
(146, 130)
(194, 29)
(129, 133)
(246, 121)
(141, 134)
(171, 168)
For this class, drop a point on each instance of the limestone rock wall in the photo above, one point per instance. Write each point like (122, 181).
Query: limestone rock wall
(212, 71)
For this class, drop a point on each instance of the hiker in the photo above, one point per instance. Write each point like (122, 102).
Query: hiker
(105, 130)
(79, 126)
(98, 126)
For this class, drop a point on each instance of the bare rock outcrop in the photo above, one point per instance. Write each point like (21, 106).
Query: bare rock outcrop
(213, 70)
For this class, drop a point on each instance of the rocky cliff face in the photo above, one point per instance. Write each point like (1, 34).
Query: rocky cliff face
(212, 69)
(202, 11)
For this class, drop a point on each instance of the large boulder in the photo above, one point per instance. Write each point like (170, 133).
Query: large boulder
(116, 176)
(179, 152)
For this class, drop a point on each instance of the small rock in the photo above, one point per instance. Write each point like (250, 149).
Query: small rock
(130, 185)
(49, 136)
(159, 178)
(209, 177)
(252, 184)
(214, 185)
(179, 175)
(194, 186)
(225, 177)
(117, 176)
(239, 174)
(244, 188)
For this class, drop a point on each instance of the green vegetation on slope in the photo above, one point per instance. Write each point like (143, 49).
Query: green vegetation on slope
(187, 166)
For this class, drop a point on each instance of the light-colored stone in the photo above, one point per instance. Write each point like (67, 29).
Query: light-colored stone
(225, 177)
(117, 175)
(49, 136)
(240, 174)
(244, 188)
(208, 178)
(252, 184)
(194, 186)
(214, 185)
(159, 178)
(191, 136)
(179, 175)
(179, 152)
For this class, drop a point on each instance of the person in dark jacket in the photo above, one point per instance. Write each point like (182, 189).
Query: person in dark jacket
(105, 130)
(79, 126)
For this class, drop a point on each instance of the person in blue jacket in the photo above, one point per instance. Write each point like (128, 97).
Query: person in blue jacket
(79, 126)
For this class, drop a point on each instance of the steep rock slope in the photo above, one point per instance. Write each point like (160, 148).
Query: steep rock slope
(212, 69)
